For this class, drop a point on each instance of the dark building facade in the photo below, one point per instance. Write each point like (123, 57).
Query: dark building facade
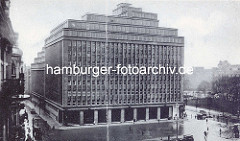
(128, 37)
(36, 80)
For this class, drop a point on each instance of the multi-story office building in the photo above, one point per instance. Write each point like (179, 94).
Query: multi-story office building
(128, 37)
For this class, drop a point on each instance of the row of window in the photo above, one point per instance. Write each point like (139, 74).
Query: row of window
(141, 14)
(102, 47)
(126, 79)
(86, 53)
(121, 46)
(120, 83)
(101, 18)
(122, 28)
(120, 100)
(124, 36)
(132, 89)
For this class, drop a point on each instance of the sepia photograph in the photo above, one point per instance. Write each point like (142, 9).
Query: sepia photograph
(119, 70)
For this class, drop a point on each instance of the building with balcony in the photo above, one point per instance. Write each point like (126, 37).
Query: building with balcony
(128, 37)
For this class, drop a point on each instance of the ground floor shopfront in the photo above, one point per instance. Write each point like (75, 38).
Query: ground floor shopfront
(107, 115)
(104, 115)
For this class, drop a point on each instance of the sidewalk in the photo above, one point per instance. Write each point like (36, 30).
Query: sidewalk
(116, 124)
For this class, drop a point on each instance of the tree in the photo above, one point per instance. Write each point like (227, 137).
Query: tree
(204, 86)
(229, 90)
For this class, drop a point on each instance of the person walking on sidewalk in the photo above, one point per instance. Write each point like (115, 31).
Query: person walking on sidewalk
(220, 132)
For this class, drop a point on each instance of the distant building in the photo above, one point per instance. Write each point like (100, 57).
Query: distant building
(200, 74)
(129, 37)
(226, 69)
(27, 78)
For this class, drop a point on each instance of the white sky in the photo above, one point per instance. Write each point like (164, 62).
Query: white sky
(211, 29)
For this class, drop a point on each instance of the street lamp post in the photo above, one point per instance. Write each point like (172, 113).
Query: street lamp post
(177, 118)
(177, 126)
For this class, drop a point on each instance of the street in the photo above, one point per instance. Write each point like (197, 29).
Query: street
(142, 131)
(197, 127)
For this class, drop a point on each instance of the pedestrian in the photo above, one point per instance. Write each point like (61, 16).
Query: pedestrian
(205, 136)
(191, 116)
(29, 138)
(130, 129)
(207, 129)
(220, 132)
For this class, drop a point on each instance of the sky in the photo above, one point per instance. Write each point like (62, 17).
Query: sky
(210, 28)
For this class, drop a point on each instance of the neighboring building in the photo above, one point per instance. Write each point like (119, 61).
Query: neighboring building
(200, 75)
(37, 79)
(11, 76)
(129, 37)
(16, 64)
(7, 41)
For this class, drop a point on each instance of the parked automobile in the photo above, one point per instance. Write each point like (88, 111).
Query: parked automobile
(201, 116)
(209, 116)
(202, 112)
(235, 130)
(220, 115)
(188, 138)
(33, 111)
(184, 138)
(37, 133)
